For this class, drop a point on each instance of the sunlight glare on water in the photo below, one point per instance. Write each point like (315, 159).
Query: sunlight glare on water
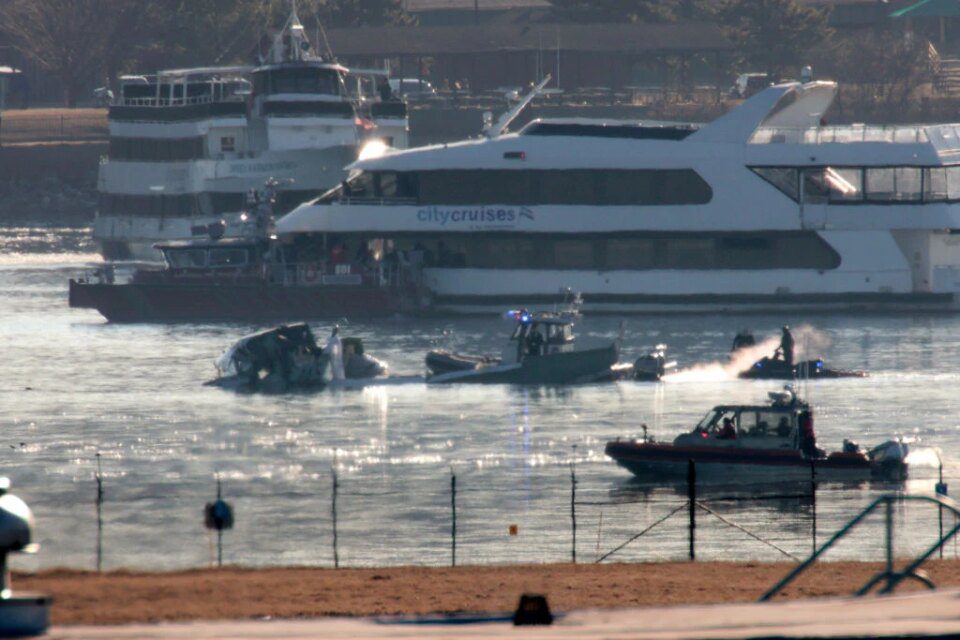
(74, 385)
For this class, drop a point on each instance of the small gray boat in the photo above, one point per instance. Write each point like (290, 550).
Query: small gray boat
(542, 353)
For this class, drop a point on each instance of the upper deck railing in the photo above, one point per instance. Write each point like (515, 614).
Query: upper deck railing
(840, 134)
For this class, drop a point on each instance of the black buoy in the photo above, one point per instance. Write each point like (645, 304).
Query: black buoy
(532, 610)
(218, 515)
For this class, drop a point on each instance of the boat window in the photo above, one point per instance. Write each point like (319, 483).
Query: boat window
(845, 184)
(630, 254)
(786, 179)
(186, 258)
(766, 424)
(815, 188)
(689, 253)
(359, 185)
(595, 187)
(228, 257)
(935, 184)
(708, 420)
(304, 80)
(392, 184)
(953, 183)
(385, 184)
(893, 184)
(623, 251)
(573, 254)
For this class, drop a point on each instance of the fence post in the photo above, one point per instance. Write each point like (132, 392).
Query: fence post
(99, 478)
(573, 513)
(813, 498)
(333, 513)
(692, 497)
(453, 519)
(889, 523)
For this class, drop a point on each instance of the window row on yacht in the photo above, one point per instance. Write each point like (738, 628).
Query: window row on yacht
(145, 92)
(866, 185)
(312, 80)
(530, 187)
(157, 149)
(621, 251)
(842, 134)
(190, 204)
(182, 204)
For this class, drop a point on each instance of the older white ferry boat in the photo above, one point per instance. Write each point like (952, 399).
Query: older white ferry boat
(188, 146)
(767, 207)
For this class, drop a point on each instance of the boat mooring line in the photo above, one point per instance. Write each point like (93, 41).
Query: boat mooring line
(613, 551)
(749, 533)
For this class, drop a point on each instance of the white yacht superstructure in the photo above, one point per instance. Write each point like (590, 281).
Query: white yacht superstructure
(188, 146)
(764, 208)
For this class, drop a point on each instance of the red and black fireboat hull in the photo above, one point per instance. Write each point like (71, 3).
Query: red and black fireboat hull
(655, 461)
(240, 302)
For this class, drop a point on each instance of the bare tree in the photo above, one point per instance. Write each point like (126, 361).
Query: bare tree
(77, 40)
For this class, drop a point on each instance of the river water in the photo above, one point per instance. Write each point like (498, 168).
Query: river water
(73, 386)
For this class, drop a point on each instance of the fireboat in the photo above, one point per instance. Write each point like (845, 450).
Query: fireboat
(255, 277)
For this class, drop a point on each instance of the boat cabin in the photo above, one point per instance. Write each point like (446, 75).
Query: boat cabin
(223, 257)
(539, 334)
(786, 423)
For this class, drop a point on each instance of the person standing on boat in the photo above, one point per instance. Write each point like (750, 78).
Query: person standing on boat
(535, 342)
(786, 345)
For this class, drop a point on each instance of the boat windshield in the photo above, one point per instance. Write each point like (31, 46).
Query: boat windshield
(709, 420)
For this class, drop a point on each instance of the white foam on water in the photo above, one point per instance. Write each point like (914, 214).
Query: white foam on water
(809, 343)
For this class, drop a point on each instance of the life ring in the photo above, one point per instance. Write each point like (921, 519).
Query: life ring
(310, 273)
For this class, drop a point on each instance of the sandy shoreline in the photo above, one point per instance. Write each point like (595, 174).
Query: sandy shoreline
(119, 597)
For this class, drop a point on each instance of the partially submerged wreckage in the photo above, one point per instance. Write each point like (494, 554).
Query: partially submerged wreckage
(288, 358)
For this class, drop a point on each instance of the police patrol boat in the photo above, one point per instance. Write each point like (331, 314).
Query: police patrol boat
(540, 352)
(775, 440)
(765, 208)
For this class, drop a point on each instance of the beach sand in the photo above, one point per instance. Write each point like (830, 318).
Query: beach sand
(118, 597)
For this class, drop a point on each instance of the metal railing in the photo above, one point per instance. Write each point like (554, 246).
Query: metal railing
(889, 574)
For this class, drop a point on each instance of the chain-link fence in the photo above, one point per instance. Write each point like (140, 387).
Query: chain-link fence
(465, 517)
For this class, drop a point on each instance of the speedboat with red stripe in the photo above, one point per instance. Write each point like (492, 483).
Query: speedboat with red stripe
(775, 440)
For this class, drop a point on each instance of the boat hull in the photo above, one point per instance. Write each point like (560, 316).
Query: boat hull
(225, 302)
(571, 367)
(769, 369)
(664, 461)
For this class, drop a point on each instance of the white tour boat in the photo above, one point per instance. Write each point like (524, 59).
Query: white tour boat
(188, 147)
(766, 207)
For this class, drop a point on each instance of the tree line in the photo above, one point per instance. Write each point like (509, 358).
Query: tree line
(90, 42)
(87, 43)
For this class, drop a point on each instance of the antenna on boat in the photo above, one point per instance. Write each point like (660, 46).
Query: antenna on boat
(500, 126)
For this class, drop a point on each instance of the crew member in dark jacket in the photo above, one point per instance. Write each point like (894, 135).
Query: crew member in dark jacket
(786, 345)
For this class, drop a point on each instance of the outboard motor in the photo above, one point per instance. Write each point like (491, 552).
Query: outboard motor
(22, 614)
(889, 459)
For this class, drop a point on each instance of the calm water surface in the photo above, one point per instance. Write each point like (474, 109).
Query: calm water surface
(72, 386)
